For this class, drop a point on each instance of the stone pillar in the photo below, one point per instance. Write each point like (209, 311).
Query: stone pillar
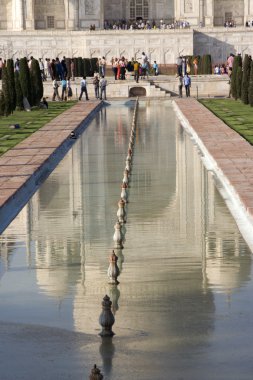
(201, 13)
(102, 14)
(29, 15)
(71, 14)
(18, 14)
(209, 15)
(246, 11)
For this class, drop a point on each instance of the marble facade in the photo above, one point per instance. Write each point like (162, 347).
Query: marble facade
(18, 15)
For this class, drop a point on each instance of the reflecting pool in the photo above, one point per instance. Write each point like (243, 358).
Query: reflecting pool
(184, 305)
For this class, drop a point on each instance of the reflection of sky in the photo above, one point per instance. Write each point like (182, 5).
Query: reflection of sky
(186, 267)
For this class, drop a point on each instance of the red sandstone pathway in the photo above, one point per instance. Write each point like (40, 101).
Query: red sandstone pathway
(20, 163)
(233, 154)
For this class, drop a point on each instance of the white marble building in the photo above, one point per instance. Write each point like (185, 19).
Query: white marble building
(17, 15)
(51, 28)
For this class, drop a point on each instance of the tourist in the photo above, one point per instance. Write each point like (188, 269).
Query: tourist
(42, 72)
(69, 89)
(55, 90)
(45, 103)
(217, 70)
(46, 74)
(101, 66)
(144, 58)
(187, 84)
(230, 61)
(103, 84)
(53, 69)
(64, 67)
(155, 68)
(64, 89)
(180, 85)
(115, 64)
(183, 66)
(16, 65)
(122, 69)
(84, 88)
(49, 66)
(179, 65)
(30, 62)
(136, 71)
(59, 69)
(96, 85)
(195, 65)
(188, 66)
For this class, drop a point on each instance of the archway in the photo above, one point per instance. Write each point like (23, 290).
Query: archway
(137, 91)
(231, 11)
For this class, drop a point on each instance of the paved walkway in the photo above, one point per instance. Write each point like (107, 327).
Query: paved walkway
(19, 164)
(233, 155)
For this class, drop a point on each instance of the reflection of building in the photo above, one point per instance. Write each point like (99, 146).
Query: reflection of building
(79, 14)
(180, 235)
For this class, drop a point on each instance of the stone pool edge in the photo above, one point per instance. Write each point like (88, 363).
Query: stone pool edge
(234, 197)
(14, 198)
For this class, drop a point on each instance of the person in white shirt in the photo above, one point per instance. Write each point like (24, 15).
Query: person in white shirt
(84, 89)
(103, 84)
(55, 89)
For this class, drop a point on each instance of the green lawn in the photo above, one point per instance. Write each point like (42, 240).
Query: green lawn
(29, 122)
(234, 113)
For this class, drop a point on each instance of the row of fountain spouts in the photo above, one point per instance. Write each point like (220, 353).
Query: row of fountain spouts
(106, 318)
(120, 230)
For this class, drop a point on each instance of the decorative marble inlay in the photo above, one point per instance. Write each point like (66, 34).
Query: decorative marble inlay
(188, 6)
(89, 7)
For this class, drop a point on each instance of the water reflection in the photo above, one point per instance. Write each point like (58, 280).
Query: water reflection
(107, 350)
(182, 245)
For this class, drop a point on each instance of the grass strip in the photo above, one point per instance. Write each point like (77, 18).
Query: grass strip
(29, 123)
(234, 113)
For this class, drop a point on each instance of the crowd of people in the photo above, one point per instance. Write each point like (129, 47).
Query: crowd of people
(144, 25)
(139, 67)
(230, 24)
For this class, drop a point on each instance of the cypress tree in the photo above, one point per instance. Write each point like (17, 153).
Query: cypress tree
(80, 68)
(36, 82)
(245, 79)
(11, 84)
(200, 65)
(250, 91)
(19, 95)
(75, 67)
(94, 65)
(6, 92)
(239, 82)
(237, 62)
(207, 64)
(25, 80)
(2, 103)
(68, 62)
(87, 67)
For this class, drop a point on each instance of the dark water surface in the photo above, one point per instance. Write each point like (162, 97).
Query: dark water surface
(184, 305)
